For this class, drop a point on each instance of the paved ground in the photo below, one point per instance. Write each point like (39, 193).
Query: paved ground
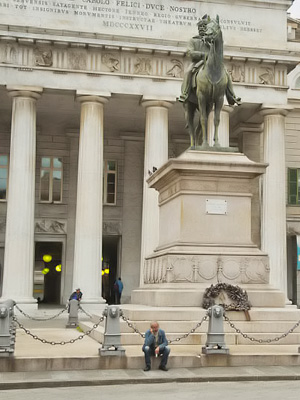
(166, 391)
(44, 379)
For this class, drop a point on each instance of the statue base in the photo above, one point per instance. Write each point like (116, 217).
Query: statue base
(215, 149)
(206, 227)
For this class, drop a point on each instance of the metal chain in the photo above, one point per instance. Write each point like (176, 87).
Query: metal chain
(85, 312)
(253, 339)
(169, 341)
(41, 319)
(131, 325)
(191, 331)
(27, 331)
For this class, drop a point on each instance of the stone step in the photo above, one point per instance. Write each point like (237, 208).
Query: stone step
(275, 327)
(197, 338)
(147, 313)
(192, 356)
(180, 357)
(182, 297)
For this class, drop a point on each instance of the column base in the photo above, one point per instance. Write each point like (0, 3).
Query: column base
(93, 305)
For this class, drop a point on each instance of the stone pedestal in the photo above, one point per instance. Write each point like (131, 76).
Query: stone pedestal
(205, 229)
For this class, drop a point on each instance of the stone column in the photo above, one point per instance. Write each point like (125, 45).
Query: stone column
(223, 127)
(274, 198)
(19, 238)
(88, 227)
(156, 154)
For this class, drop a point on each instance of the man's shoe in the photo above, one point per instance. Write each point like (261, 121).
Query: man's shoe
(147, 368)
(163, 368)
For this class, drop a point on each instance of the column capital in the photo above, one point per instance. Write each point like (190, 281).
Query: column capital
(152, 101)
(85, 96)
(267, 109)
(25, 91)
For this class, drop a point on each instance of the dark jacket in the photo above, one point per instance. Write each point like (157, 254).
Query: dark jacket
(75, 296)
(161, 340)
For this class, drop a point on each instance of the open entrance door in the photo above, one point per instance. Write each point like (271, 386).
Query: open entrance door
(293, 265)
(110, 270)
(47, 272)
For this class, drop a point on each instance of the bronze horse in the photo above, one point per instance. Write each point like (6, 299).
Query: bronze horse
(212, 83)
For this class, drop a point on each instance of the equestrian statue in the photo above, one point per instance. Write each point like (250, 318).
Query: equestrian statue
(206, 82)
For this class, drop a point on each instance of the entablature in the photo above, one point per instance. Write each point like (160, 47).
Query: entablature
(59, 54)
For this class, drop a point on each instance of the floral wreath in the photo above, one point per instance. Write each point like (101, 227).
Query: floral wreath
(239, 297)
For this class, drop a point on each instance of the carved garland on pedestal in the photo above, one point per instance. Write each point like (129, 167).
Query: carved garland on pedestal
(239, 297)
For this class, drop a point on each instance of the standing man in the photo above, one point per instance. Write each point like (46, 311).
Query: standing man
(156, 344)
(118, 288)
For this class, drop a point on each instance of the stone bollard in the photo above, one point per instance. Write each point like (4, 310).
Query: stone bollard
(112, 335)
(7, 328)
(73, 314)
(215, 343)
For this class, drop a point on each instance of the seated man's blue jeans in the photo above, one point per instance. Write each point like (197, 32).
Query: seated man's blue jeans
(150, 351)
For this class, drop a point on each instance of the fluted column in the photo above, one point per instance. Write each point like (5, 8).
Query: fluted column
(223, 130)
(88, 227)
(156, 154)
(274, 187)
(19, 238)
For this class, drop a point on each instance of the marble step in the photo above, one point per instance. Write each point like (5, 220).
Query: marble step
(147, 313)
(181, 356)
(197, 338)
(277, 327)
(182, 297)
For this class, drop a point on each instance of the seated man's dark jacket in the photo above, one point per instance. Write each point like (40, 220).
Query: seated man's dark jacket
(161, 339)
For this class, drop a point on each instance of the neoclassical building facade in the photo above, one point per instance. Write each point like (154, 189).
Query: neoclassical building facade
(89, 111)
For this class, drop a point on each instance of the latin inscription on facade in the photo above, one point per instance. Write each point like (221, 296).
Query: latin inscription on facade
(157, 19)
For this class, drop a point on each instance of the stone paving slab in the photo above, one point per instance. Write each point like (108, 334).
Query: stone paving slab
(23, 380)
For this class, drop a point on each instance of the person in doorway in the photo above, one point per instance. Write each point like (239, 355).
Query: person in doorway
(156, 344)
(118, 288)
(77, 295)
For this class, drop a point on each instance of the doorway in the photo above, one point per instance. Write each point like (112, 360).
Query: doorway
(292, 265)
(110, 266)
(47, 272)
(1, 268)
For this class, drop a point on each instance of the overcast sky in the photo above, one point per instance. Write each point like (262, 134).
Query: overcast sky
(295, 9)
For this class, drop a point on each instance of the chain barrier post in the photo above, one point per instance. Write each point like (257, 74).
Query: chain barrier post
(73, 314)
(215, 343)
(112, 334)
(7, 328)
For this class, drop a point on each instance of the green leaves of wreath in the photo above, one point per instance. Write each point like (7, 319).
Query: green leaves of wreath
(239, 297)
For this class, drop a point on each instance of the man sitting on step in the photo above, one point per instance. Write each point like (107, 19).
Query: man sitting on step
(156, 344)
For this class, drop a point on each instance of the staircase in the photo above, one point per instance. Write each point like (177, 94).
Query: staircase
(264, 324)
